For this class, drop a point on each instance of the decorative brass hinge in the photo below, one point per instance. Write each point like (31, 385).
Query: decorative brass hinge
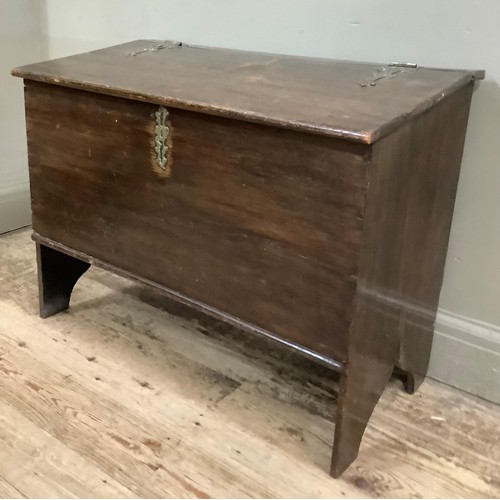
(162, 133)
(389, 71)
(156, 47)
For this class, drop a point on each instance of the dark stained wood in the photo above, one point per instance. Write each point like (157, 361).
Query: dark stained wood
(57, 275)
(195, 307)
(413, 180)
(432, 146)
(322, 241)
(253, 221)
(317, 95)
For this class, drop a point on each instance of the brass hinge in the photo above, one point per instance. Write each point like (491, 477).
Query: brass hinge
(403, 64)
(389, 71)
(156, 47)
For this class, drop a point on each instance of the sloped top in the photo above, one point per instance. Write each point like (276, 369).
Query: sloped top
(317, 95)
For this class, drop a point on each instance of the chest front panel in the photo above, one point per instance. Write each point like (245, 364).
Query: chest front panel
(262, 223)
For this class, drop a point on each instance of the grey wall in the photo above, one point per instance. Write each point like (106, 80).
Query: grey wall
(445, 33)
(20, 43)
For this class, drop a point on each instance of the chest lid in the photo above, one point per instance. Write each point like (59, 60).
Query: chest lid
(356, 101)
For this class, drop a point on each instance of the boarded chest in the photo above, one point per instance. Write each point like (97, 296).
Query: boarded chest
(306, 200)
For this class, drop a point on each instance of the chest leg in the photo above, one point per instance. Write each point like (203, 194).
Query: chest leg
(57, 275)
(361, 384)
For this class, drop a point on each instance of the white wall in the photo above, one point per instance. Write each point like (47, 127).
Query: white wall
(20, 43)
(444, 33)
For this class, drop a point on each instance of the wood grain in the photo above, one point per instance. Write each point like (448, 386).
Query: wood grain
(253, 221)
(322, 96)
(333, 247)
(416, 171)
(43, 467)
(118, 362)
(9, 491)
(413, 178)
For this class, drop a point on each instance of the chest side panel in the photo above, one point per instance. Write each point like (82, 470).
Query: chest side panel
(261, 223)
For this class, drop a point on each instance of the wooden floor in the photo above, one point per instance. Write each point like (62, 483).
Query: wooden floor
(129, 395)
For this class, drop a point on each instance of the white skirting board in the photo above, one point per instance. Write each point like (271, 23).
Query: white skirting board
(15, 211)
(466, 355)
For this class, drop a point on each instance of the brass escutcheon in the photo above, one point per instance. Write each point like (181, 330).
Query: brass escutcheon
(162, 132)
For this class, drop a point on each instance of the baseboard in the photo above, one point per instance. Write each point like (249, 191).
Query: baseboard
(466, 355)
(15, 211)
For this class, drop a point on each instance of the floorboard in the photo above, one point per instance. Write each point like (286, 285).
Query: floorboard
(130, 395)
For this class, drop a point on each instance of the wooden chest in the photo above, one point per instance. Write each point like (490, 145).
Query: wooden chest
(306, 200)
